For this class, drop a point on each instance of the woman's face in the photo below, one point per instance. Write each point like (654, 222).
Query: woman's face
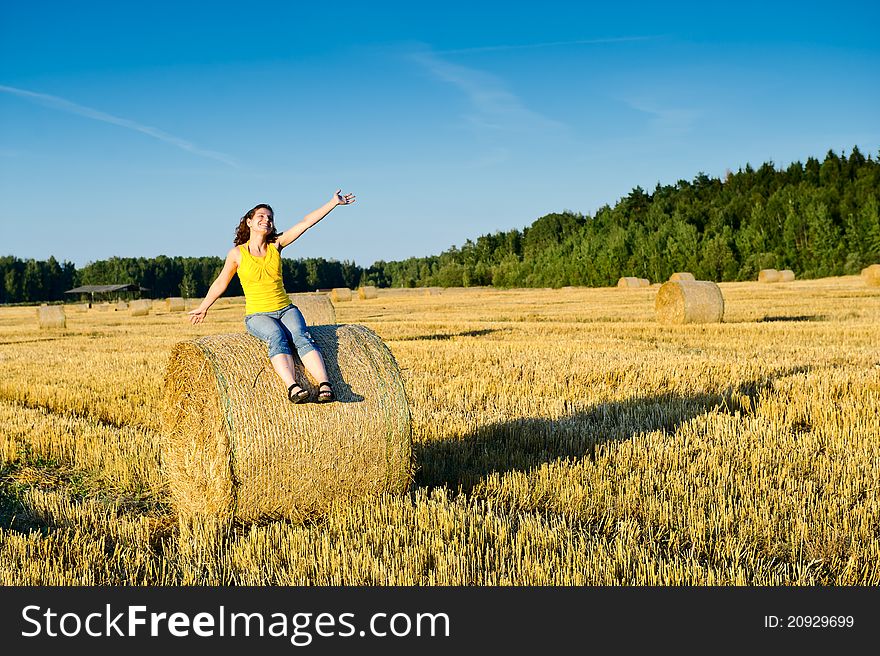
(262, 221)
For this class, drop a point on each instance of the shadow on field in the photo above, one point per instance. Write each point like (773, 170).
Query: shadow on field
(524, 444)
(800, 317)
(445, 336)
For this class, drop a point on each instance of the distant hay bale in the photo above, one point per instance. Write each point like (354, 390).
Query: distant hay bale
(644, 282)
(103, 307)
(79, 307)
(52, 316)
(871, 275)
(317, 309)
(120, 306)
(769, 275)
(786, 275)
(234, 447)
(175, 304)
(629, 282)
(140, 308)
(339, 294)
(431, 291)
(367, 292)
(689, 301)
(682, 275)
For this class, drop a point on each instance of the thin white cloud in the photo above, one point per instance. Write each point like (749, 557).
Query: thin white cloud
(490, 159)
(550, 44)
(54, 102)
(493, 105)
(674, 122)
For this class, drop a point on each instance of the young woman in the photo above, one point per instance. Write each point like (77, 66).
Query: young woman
(269, 314)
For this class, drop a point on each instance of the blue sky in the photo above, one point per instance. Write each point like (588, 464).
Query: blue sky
(139, 129)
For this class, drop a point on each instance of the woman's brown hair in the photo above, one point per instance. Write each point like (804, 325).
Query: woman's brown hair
(243, 233)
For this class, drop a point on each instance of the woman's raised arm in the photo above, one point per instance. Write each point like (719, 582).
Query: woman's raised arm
(292, 234)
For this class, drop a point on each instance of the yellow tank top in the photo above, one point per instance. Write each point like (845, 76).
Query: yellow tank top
(261, 281)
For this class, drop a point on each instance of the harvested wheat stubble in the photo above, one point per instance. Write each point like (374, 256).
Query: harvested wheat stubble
(871, 275)
(140, 308)
(175, 304)
(769, 275)
(630, 282)
(52, 316)
(367, 292)
(689, 301)
(338, 294)
(682, 275)
(786, 275)
(317, 309)
(236, 448)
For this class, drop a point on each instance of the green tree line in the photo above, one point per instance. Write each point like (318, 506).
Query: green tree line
(30, 281)
(815, 218)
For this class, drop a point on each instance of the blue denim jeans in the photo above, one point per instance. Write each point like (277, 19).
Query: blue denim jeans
(281, 328)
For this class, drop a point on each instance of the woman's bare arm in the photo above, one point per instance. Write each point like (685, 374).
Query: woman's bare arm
(292, 234)
(217, 287)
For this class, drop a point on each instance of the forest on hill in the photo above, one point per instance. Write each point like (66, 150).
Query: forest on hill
(819, 218)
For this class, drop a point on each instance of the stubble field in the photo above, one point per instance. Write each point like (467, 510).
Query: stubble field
(561, 437)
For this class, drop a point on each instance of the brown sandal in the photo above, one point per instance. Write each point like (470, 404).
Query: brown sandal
(297, 396)
(325, 392)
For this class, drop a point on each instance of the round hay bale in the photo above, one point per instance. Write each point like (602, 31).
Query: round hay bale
(235, 447)
(629, 282)
(175, 304)
(103, 307)
(367, 292)
(682, 275)
(317, 309)
(644, 282)
(79, 307)
(871, 275)
(786, 275)
(689, 301)
(140, 308)
(120, 306)
(51, 316)
(769, 275)
(338, 294)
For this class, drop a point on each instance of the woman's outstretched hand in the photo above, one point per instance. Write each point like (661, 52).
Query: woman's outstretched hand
(197, 316)
(343, 199)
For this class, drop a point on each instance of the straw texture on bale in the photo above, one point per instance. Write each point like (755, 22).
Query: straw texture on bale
(317, 309)
(175, 304)
(682, 275)
(629, 281)
(689, 301)
(769, 275)
(120, 306)
(367, 292)
(871, 275)
(52, 316)
(338, 294)
(235, 447)
(140, 308)
(786, 275)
